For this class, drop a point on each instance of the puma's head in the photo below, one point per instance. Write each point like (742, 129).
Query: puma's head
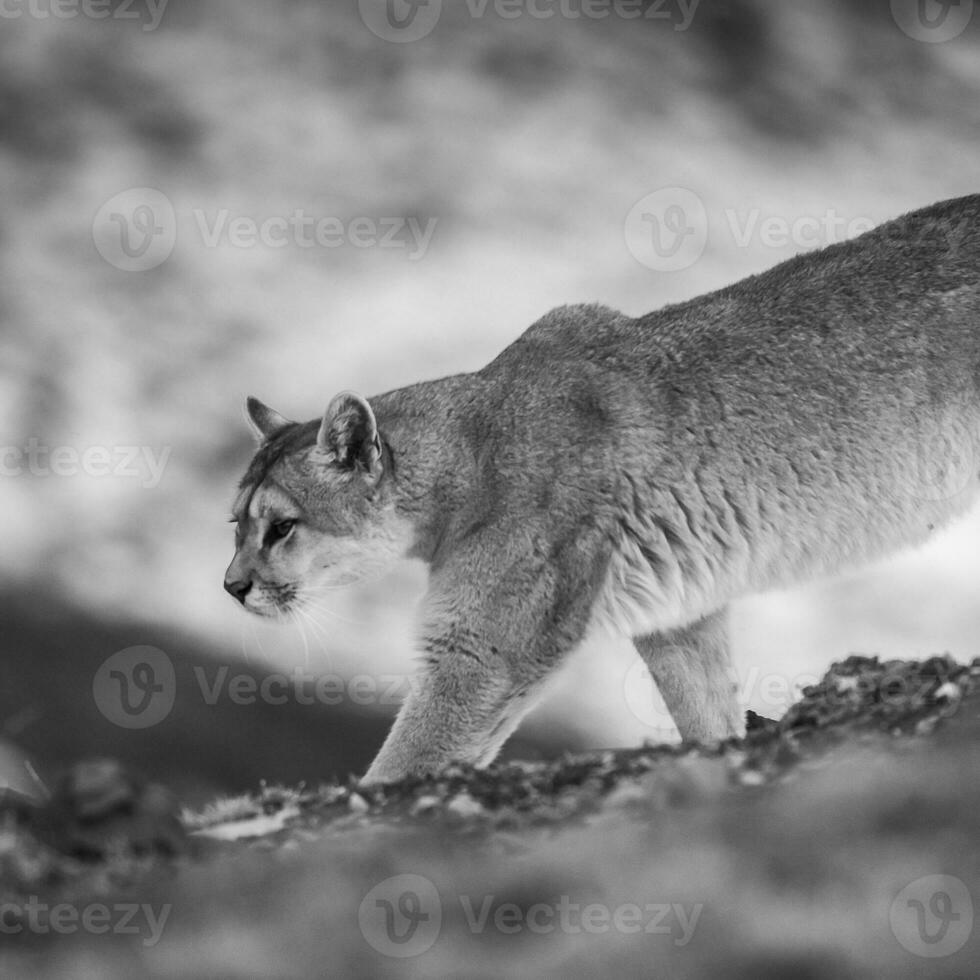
(315, 509)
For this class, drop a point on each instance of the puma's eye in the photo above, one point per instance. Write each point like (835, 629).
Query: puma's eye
(281, 529)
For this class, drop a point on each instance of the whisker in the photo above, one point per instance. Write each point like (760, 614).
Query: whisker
(258, 643)
(311, 598)
(242, 637)
(335, 616)
(319, 631)
(298, 620)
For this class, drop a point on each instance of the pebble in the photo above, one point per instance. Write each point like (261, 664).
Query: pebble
(949, 692)
(357, 803)
(464, 806)
(628, 794)
(424, 804)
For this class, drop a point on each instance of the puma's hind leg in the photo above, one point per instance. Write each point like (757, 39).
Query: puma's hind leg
(693, 670)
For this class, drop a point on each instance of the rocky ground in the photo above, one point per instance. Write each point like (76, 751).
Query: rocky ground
(839, 841)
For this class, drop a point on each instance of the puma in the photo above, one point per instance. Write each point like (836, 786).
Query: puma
(635, 475)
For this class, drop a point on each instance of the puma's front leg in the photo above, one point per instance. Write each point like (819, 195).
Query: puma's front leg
(462, 709)
(496, 627)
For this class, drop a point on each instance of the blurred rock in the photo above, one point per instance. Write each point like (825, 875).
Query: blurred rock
(100, 808)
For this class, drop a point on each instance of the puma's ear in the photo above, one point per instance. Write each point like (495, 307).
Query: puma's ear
(264, 421)
(349, 433)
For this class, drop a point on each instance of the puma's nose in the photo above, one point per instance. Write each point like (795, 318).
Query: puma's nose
(239, 589)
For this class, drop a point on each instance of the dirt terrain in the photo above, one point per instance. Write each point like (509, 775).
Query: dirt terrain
(837, 842)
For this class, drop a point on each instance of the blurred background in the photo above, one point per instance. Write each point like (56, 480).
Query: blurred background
(205, 199)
